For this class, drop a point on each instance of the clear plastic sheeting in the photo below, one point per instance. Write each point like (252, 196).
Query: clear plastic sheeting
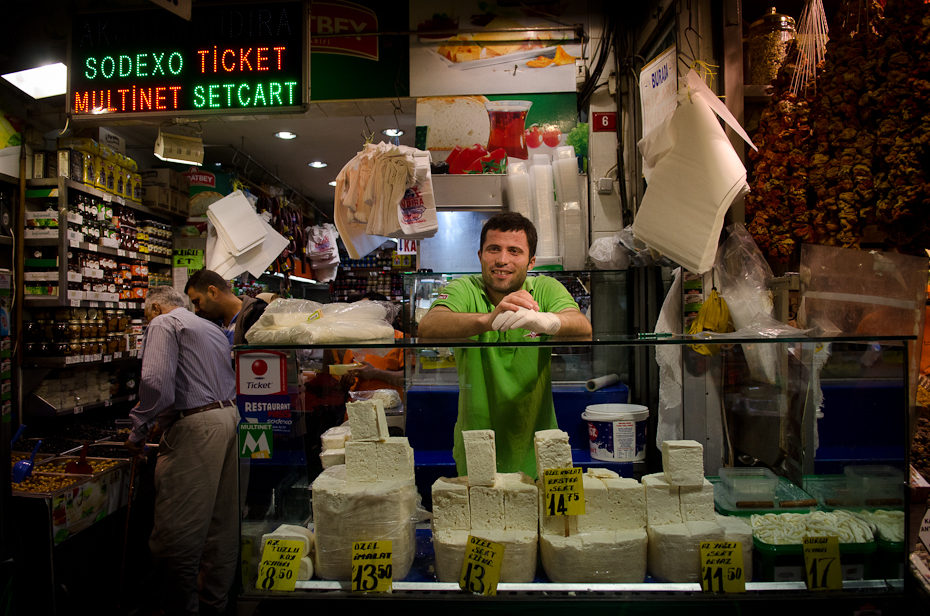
(344, 512)
(518, 565)
(295, 321)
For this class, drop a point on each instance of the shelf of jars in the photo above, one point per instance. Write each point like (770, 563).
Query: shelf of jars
(54, 185)
(80, 336)
(37, 406)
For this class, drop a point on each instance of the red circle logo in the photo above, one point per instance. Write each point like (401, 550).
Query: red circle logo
(259, 367)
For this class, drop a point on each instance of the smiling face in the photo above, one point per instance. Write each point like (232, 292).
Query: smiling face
(505, 259)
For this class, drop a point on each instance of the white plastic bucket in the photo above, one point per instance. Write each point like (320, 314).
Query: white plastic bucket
(617, 432)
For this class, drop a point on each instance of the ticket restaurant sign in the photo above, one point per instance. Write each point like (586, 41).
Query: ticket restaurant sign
(227, 60)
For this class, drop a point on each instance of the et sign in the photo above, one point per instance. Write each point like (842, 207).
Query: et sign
(227, 59)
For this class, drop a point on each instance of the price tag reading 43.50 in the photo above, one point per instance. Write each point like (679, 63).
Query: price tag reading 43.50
(822, 563)
(564, 491)
(722, 566)
(280, 564)
(482, 567)
(371, 566)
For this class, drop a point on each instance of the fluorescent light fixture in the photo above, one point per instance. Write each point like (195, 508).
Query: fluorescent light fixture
(392, 132)
(179, 148)
(317, 164)
(284, 134)
(42, 81)
(333, 183)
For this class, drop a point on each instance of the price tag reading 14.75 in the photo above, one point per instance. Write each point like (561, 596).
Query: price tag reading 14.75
(722, 566)
(372, 569)
(564, 491)
(280, 564)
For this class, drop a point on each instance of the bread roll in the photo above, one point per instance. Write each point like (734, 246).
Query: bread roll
(454, 120)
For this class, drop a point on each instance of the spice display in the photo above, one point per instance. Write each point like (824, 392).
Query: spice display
(768, 45)
(43, 483)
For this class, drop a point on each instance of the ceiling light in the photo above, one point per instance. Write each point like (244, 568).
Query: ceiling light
(317, 164)
(392, 132)
(284, 134)
(179, 148)
(333, 183)
(41, 82)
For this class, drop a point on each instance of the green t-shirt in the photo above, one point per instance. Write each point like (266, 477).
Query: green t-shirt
(505, 389)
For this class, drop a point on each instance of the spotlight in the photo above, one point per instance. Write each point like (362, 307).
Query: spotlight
(179, 148)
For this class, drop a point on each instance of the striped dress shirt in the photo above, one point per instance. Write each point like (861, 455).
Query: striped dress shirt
(185, 364)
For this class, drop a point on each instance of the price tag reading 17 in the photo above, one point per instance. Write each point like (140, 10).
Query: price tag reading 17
(564, 490)
(722, 566)
(371, 566)
(822, 563)
(280, 564)
(481, 569)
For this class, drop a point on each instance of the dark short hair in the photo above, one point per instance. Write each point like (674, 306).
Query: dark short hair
(203, 279)
(511, 221)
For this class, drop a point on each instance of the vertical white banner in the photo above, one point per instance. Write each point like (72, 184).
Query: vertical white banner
(658, 88)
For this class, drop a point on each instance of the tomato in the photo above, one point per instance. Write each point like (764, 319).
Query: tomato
(534, 137)
(552, 136)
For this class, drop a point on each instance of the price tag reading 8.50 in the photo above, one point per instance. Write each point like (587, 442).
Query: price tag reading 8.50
(722, 566)
(481, 569)
(280, 564)
(564, 491)
(372, 569)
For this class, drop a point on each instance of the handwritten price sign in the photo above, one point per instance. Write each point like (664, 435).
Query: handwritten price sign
(481, 570)
(822, 563)
(722, 566)
(280, 564)
(564, 491)
(372, 569)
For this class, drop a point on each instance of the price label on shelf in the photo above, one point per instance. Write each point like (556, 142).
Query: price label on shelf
(822, 563)
(107, 197)
(74, 359)
(92, 247)
(481, 569)
(121, 305)
(117, 355)
(722, 566)
(132, 397)
(73, 243)
(97, 357)
(94, 304)
(133, 353)
(107, 402)
(109, 305)
(120, 252)
(371, 566)
(107, 359)
(280, 564)
(564, 491)
(78, 410)
(75, 303)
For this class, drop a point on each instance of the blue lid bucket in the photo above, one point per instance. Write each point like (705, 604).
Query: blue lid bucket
(617, 432)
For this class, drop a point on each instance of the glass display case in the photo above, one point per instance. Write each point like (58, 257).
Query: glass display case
(821, 420)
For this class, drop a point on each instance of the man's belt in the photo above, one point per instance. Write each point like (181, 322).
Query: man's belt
(208, 407)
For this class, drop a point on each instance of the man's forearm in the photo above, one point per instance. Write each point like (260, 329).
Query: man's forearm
(447, 324)
(574, 323)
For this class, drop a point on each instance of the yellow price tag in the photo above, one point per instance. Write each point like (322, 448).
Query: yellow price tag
(481, 570)
(722, 566)
(564, 490)
(822, 563)
(280, 564)
(315, 316)
(371, 566)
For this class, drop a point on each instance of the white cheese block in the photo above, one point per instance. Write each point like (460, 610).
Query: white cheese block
(683, 463)
(597, 515)
(346, 511)
(332, 457)
(738, 529)
(628, 503)
(617, 557)
(335, 437)
(521, 511)
(361, 461)
(697, 503)
(480, 457)
(662, 503)
(450, 504)
(602, 473)
(305, 569)
(518, 566)
(395, 459)
(291, 532)
(367, 420)
(487, 506)
(675, 550)
(553, 524)
(552, 451)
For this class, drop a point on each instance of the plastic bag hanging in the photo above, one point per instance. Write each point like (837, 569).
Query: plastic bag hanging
(714, 316)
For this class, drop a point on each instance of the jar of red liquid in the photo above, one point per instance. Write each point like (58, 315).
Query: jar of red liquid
(508, 123)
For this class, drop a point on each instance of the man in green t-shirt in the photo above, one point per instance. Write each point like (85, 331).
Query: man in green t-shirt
(505, 388)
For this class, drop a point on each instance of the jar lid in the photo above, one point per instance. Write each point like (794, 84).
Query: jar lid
(774, 20)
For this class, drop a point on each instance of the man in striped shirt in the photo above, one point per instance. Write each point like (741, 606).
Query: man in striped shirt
(188, 390)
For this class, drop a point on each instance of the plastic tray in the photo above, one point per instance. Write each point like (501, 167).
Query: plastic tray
(785, 563)
(785, 491)
(877, 486)
(749, 484)
(832, 492)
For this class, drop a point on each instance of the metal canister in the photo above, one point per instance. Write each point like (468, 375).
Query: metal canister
(769, 37)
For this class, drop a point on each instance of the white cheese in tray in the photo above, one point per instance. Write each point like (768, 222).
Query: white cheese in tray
(451, 510)
(367, 420)
(675, 549)
(518, 566)
(662, 503)
(617, 557)
(683, 463)
(552, 451)
(480, 457)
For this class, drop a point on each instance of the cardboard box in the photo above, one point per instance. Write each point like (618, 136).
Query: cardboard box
(179, 202)
(155, 196)
(166, 178)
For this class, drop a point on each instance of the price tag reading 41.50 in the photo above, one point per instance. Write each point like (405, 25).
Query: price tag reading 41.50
(564, 491)
(280, 564)
(371, 566)
(482, 567)
(722, 566)
(822, 563)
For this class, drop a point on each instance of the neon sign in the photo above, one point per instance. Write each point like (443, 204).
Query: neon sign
(229, 58)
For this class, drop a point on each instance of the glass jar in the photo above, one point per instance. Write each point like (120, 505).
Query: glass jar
(101, 328)
(75, 348)
(88, 329)
(123, 341)
(87, 346)
(74, 330)
(123, 321)
(768, 43)
(112, 343)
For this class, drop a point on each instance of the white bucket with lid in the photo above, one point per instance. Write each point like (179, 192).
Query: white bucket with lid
(617, 432)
